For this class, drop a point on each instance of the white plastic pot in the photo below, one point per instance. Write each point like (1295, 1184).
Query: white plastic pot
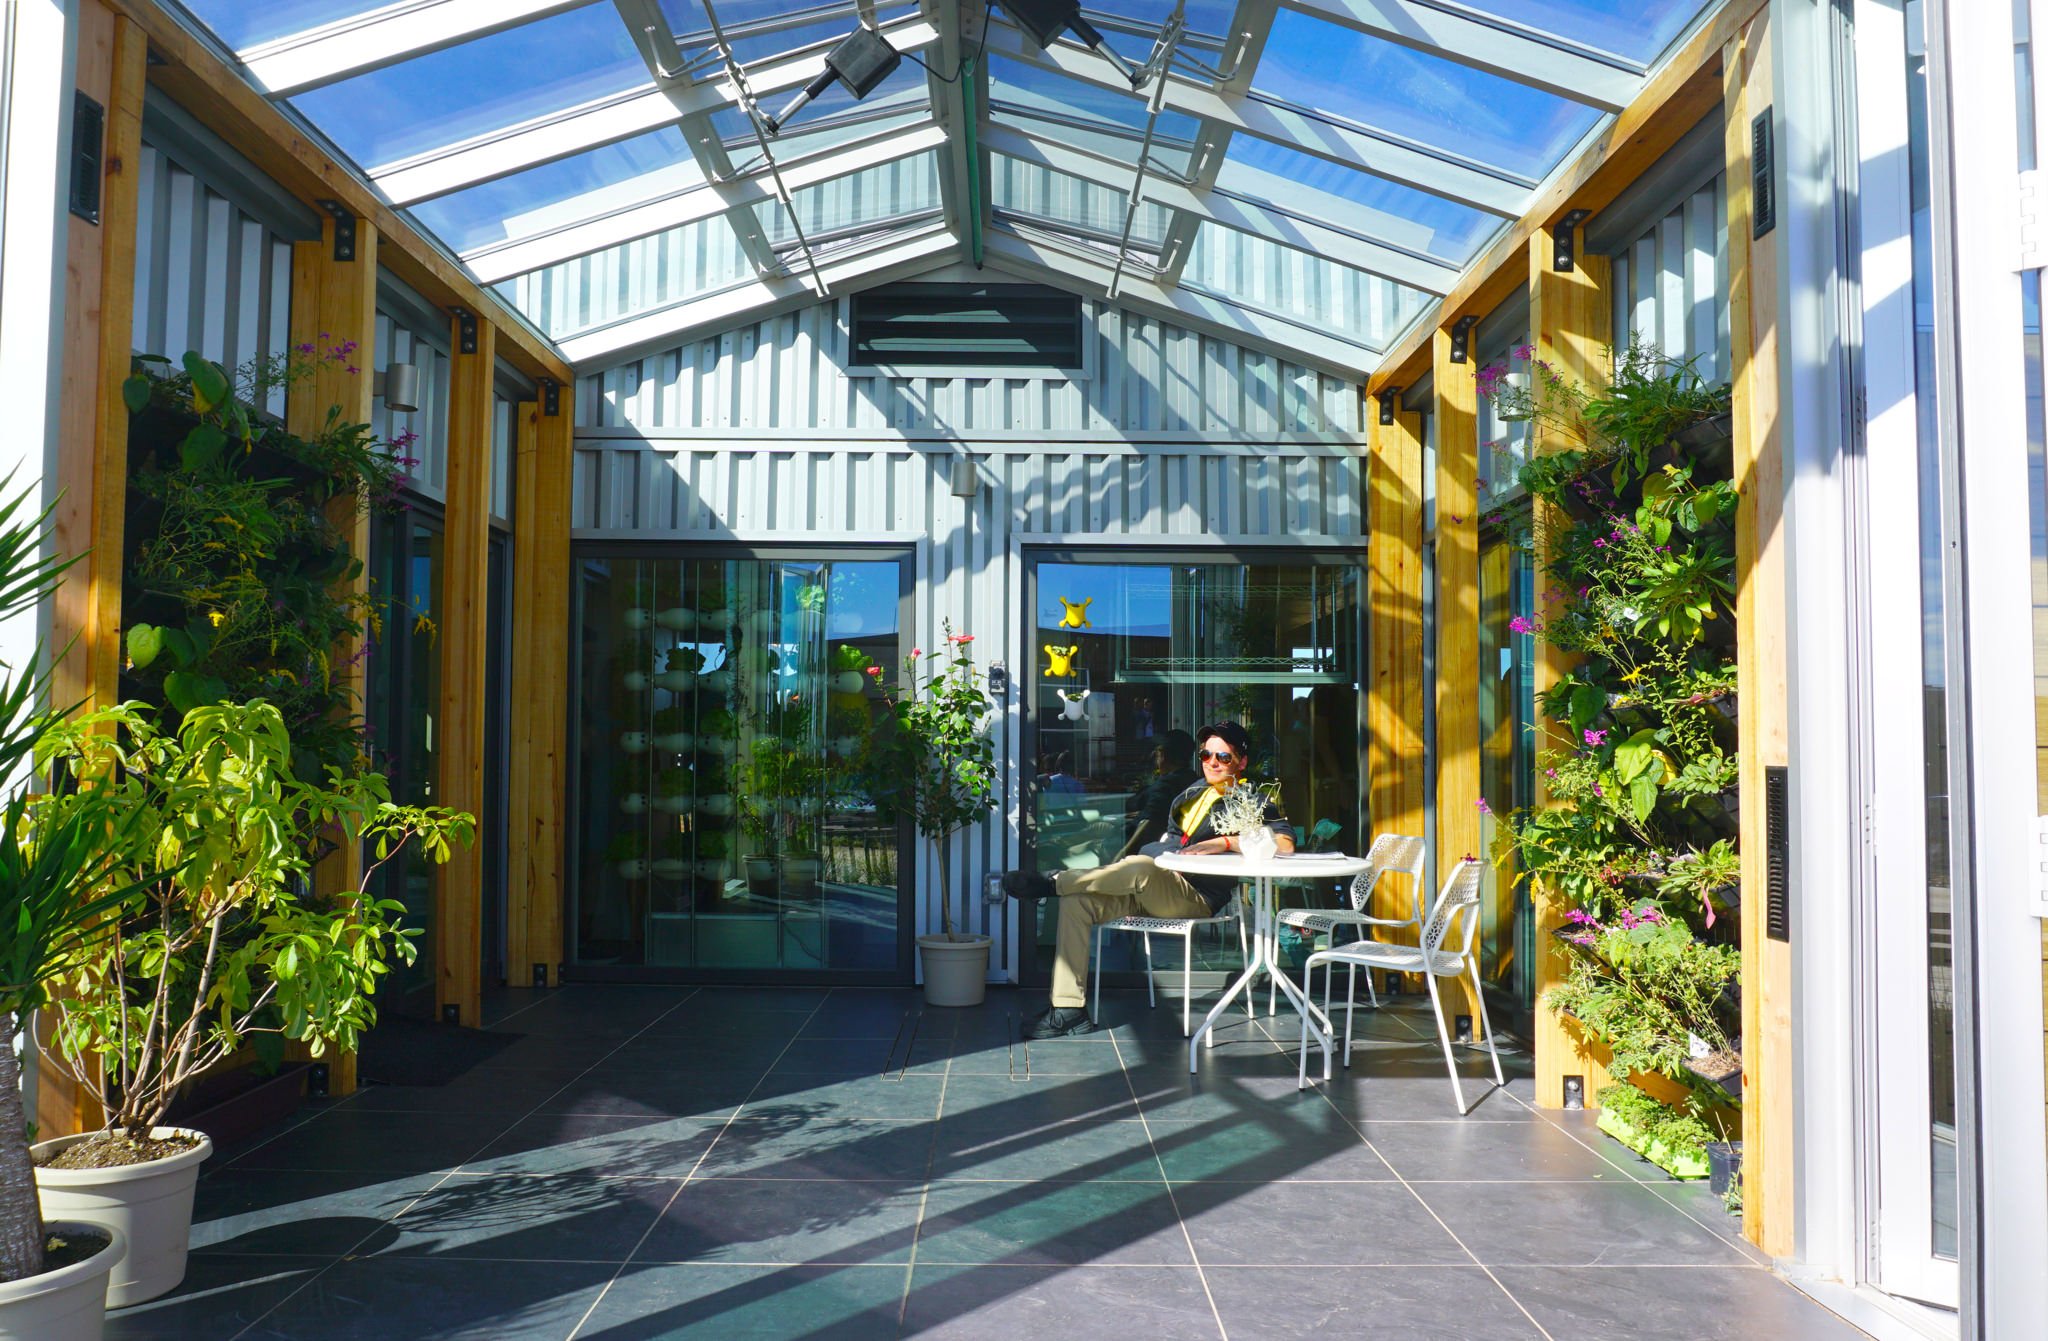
(848, 682)
(676, 681)
(955, 969)
(151, 1204)
(69, 1304)
(680, 618)
(633, 742)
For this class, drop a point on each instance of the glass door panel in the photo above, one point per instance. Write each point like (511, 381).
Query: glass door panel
(725, 711)
(1506, 770)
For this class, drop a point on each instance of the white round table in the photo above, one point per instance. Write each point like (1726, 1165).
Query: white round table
(1265, 956)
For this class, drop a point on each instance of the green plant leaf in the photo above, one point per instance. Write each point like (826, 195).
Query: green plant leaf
(209, 383)
(188, 690)
(201, 447)
(135, 390)
(144, 642)
(182, 648)
(1642, 797)
(1634, 755)
(1587, 701)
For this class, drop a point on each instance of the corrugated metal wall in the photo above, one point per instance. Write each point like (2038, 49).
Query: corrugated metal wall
(209, 275)
(1668, 283)
(1173, 441)
(402, 339)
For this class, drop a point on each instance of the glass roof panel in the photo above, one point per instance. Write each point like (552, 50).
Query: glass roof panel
(239, 24)
(1061, 199)
(1384, 210)
(1068, 111)
(1636, 29)
(762, 28)
(906, 89)
(563, 192)
(862, 199)
(687, 262)
(1320, 66)
(477, 87)
(803, 140)
(1300, 287)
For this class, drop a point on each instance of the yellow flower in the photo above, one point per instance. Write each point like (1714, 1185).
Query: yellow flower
(218, 618)
(1633, 676)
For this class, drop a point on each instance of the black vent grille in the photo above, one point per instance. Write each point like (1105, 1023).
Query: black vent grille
(88, 134)
(1777, 855)
(960, 325)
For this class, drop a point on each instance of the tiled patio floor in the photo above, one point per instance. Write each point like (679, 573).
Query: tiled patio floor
(646, 1163)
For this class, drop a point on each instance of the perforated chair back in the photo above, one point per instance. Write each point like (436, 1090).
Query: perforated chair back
(1391, 853)
(1460, 894)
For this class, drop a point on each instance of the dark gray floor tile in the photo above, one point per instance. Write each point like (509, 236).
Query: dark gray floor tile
(532, 1217)
(1054, 1152)
(839, 1056)
(1370, 1094)
(744, 1220)
(1067, 1058)
(709, 1302)
(1295, 1144)
(1698, 1200)
(950, 1303)
(1457, 1151)
(220, 1296)
(675, 1094)
(1573, 1224)
(1051, 1223)
(296, 1214)
(849, 1148)
(348, 1141)
(692, 1052)
(498, 1091)
(1314, 1224)
(787, 1098)
(423, 1299)
(1223, 1089)
(986, 1058)
(885, 1018)
(1030, 1102)
(611, 1146)
(1443, 1303)
(1697, 1303)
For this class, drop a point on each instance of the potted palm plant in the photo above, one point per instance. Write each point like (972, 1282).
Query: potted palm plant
(938, 768)
(211, 939)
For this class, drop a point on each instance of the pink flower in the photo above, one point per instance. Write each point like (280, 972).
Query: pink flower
(1484, 808)
(959, 638)
(1522, 624)
(917, 651)
(875, 671)
(1595, 738)
(1599, 544)
(1524, 351)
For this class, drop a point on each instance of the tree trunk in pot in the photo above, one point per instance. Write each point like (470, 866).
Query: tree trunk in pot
(21, 1217)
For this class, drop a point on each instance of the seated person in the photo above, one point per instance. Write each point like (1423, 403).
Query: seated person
(1139, 886)
(1173, 772)
(1061, 779)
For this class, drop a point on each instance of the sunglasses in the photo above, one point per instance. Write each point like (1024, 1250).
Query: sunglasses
(1220, 756)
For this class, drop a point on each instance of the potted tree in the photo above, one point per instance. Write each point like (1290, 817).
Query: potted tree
(938, 768)
(212, 939)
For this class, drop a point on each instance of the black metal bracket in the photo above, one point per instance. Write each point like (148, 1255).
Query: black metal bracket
(1574, 1092)
(540, 975)
(451, 1013)
(1461, 1029)
(317, 1081)
(1563, 240)
(465, 322)
(344, 228)
(1390, 400)
(550, 398)
(1461, 338)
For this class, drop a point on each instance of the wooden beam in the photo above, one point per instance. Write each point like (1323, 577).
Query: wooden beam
(1456, 390)
(1395, 781)
(1684, 89)
(1767, 1071)
(333, 302)
(464, 646)
(1571, 328)
(540, 686)
(233, 108)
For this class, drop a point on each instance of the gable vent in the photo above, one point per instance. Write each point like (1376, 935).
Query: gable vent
(967, 325)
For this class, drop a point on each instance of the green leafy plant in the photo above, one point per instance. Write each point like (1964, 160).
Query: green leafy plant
(1648, 988)
(1681, 1134)
(214, 939)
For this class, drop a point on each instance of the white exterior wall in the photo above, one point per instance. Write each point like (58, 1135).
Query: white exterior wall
(1169, 440)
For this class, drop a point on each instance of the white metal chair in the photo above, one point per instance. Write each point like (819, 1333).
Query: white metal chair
(1391, 852)
(1458, 902)
(1184, 928)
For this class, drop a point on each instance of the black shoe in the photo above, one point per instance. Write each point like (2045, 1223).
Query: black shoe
(1060, 1022)
(1027, 885)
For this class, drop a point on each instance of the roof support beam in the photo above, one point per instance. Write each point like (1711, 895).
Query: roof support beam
(1243, 46)
(383, 37)
(1229, 211)
(506, 259)
(1495, 192)
(950, 104)
(1197, 311)
(606, 122)
(1557, 67)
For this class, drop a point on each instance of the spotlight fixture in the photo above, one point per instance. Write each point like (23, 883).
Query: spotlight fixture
(1045, 20)
(861, 60)
(399, 385)
(966, 479)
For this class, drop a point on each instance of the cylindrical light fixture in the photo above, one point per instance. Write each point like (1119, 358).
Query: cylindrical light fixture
(966, 479)
(399, 385)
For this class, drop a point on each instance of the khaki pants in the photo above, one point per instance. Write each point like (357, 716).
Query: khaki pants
(1133, 887)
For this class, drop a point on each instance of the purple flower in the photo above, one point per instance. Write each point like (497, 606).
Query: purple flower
(1484, 808)
(1522, 624)
(1595, 737)
(1524, 351)
(1599, 544)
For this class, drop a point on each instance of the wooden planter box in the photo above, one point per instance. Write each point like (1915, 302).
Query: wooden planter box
(1677, 1163)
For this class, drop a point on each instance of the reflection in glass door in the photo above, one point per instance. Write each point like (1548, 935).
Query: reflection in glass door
(724, 712)
(1506, 692)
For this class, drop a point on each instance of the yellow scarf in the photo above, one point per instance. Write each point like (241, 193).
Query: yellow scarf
(1198, 810)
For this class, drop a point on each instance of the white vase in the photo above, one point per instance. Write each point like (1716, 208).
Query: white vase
(634, 869)
(669, 868)
(68, 1304)
(680, 619)
(955, 969)
(637, 618)
(718, 803)
(1258, 844)
(719, 681)
(676, 681)
(675, 742)
(636, 681)
(848, 682)
(633, 742)
(675, 805)
(151, 1204)
(634, 803)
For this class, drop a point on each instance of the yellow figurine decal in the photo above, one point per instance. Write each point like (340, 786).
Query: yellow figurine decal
(1062, 658)
(1076, 616)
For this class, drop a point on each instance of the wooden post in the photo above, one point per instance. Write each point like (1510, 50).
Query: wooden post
(464, 645)
(334, 302)
(1767, 1111)
(540, 686)
(1457, 625)
(1571, 328)
(1395, 760)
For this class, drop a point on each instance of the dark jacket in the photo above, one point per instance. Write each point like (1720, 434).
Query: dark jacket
(1217, 889)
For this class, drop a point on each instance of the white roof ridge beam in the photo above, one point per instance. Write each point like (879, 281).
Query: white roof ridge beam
(503, 260)
(1075, 273)
(897, 258)
(1246, 216)
(594, 125)
(1596, 79)
(382, 37)
(1495, 193)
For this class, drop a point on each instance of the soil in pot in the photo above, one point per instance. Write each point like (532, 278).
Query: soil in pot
(1721, 1068)
(67, 1299)
(65, 1248)
(114, 1150)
